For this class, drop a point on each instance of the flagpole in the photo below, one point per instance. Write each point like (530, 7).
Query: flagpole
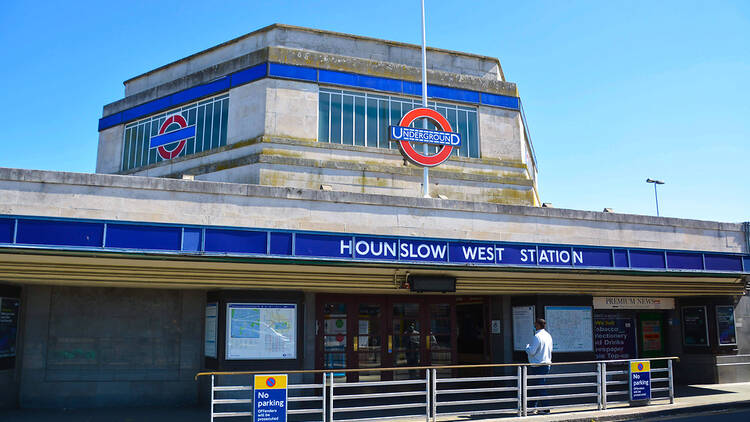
(425, 170)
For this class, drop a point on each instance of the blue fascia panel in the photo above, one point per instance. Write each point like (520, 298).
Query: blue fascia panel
(746, 261)
(593, 257)
(248, 75)
(199, 91)
(321, 245)
(281, 243)
(143, 237)
(6, 230)
(723, 262)
(413, 88)
(145, 109)
(360, 81)
(647, 259)
(236, 241)
(621, 258)
(684, 261)
(500, 101)
(59, 233)
(109, 121)
(191, 239)
(435, 91)
(293, 72)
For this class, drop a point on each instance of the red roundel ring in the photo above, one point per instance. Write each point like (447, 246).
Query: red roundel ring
(270, 382)
(180, 121)
(409, 151)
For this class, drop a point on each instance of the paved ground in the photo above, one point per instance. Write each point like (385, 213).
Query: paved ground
(717, 403)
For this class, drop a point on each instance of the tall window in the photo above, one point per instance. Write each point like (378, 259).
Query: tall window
(361, 118)
(208, 117)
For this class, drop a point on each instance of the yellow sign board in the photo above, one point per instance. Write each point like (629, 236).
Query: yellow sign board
(640, 366)
(270, 382)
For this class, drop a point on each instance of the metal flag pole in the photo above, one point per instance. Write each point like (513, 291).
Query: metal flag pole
(425, 170)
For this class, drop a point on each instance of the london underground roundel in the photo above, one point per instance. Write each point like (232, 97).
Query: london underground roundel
(445, 138)
(174, 130)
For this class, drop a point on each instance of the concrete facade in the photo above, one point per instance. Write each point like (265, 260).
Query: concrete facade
(272, 110)
(95, 347)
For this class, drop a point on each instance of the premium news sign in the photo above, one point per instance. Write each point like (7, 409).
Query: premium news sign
(633, 302)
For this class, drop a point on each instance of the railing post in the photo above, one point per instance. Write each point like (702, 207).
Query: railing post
(330, 401)
(599, 385)
(427, 395)
(434, 394)
(520, 394)
(212, 398)
(671, 382)
(525, 392)
(325, 397)
(604, 385)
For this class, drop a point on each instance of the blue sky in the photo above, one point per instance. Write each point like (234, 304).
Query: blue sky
(614, 92)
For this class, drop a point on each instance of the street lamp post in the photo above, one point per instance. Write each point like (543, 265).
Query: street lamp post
(656, 195)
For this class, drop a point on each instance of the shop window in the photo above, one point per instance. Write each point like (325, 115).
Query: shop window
(205, 120)
(361, 118)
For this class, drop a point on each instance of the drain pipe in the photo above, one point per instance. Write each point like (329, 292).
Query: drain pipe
(746, 227)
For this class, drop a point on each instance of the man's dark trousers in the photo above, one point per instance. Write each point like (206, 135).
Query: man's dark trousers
(538, 370)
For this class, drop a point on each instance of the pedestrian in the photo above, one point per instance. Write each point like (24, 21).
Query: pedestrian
(412, 349)
(540, 353)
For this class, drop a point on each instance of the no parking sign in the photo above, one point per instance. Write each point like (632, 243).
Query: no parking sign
(640, 380)
(270, 398)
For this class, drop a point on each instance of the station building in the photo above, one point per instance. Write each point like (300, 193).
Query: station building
(249, 212)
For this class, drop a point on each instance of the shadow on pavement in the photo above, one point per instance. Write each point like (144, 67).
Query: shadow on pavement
(140, 414)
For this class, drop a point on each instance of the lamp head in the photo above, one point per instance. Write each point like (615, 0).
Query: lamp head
(658, 182)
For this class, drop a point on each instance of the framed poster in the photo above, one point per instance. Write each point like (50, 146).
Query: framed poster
(571, 328)
(9, 309)
(725, 325)
(523, 326)
(614, 337)
(212, 324)
(261, 331)
(694, 326)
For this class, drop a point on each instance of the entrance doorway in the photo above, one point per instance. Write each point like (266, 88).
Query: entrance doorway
(398, 331)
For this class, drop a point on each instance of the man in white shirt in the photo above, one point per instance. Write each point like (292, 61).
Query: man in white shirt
(539, 352)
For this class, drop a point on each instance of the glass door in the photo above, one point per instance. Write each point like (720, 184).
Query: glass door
(440, 342)
(368, 344)
(406, 339)
(334, 337)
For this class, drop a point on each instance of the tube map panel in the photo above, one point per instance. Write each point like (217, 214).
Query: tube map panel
(261, 331)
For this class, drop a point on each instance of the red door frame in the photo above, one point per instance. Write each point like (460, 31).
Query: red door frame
(386, 302)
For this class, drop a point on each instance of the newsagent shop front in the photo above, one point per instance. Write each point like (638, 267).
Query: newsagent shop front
(263, 204)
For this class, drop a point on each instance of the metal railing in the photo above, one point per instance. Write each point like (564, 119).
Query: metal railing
(444, 391)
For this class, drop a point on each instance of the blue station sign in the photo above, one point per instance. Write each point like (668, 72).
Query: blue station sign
(118, 236)
(432, 137)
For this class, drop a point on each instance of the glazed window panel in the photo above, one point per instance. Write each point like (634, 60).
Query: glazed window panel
(209, 118)
(361, 118)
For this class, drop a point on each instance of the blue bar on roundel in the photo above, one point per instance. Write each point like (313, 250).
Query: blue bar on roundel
(168, 138)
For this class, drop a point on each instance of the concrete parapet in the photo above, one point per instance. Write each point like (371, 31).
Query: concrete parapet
(54, 194)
